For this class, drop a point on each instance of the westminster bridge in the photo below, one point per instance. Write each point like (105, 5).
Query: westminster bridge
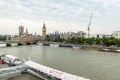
(15, 43)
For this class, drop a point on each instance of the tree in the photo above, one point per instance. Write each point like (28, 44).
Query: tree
(98, 41)
(62, 40)
(2, 38)
(57, 39)
(48, 38)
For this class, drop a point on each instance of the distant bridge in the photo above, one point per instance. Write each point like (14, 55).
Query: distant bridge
(14, 43)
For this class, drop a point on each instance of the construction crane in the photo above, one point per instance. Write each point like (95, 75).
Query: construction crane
(89, 25)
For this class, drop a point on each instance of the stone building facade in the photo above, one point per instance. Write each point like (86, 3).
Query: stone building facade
(23, 37)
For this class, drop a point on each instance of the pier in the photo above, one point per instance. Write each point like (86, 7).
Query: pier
(12, 71)
(48, 73)
(38, 70)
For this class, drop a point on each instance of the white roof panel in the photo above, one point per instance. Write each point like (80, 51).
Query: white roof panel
(11, 56)
(53, 72)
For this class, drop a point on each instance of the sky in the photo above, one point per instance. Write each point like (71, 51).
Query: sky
(59, 15)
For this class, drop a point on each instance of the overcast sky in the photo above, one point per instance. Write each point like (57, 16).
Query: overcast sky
(59, 15)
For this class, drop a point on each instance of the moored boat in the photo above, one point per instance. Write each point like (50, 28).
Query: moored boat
(54, 45)
(41, 44)
(118, 50)
(10, 59)
(106, 50)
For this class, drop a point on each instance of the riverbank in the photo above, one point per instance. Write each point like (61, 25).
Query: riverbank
(84, 47)
(102, 48)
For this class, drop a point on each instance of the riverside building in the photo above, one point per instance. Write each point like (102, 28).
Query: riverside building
(116, 34)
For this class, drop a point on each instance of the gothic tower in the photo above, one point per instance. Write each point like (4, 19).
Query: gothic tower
(21, 30)
(44, 32)
(26, 32)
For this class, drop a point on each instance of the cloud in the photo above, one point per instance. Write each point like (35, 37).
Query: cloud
(62, 15)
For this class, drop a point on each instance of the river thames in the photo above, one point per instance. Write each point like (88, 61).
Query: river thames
(91, 64)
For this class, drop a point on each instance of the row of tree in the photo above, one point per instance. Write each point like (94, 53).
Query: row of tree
(81, 40)
(2, 38)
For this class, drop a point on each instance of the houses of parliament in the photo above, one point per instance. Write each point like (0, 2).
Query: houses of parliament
(25, 38)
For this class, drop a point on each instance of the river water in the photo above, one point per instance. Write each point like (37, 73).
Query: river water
(91, 64)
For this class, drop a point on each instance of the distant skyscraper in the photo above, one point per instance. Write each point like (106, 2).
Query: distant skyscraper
(44, 32)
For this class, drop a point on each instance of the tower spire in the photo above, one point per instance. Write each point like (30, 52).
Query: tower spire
(21, 23)
(44, 25)
(26, 31)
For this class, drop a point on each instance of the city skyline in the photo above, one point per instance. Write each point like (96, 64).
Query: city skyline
(59, 15)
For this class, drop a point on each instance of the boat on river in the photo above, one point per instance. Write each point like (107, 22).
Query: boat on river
(107, 50)
(65, 45)
(10, 59)
(76, 47)
(54, 45)
(111, 50)
(41, 44)
(118, 50)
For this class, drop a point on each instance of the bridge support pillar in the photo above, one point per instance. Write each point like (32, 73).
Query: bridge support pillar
(20, 44)
(8, 44)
